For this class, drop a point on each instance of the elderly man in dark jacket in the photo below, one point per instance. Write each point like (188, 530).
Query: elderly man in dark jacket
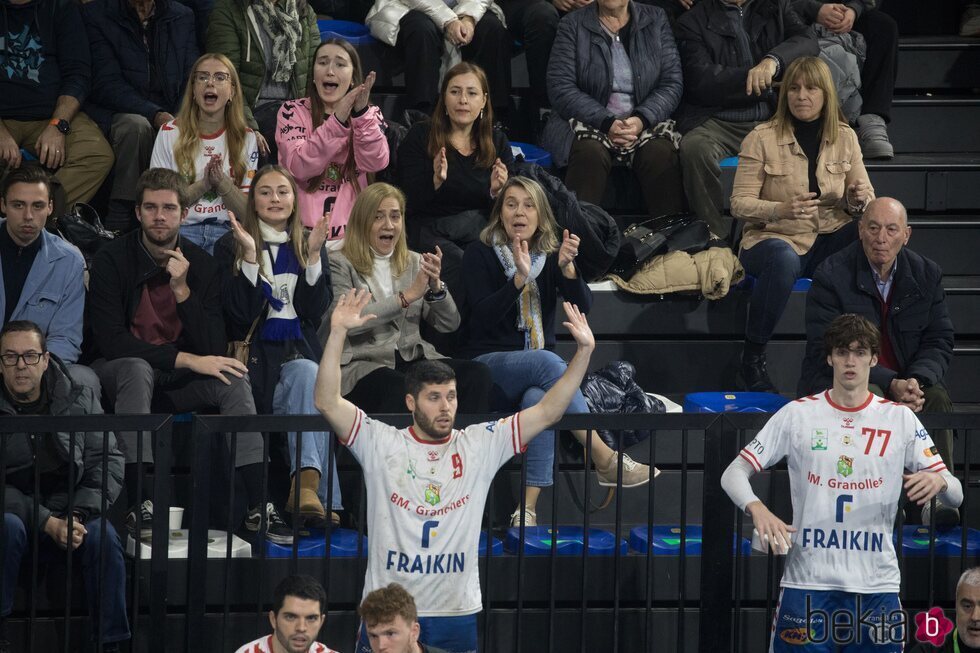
(732, 51)
(142, 55)
(902, 294)
(36, 382)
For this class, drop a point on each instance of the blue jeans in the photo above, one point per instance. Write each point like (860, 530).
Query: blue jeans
(450, 634)
(776, 266)
(520, 380)
(205, 234)
(115, 626)
(294, 396)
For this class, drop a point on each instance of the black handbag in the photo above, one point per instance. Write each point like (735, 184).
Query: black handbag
(82, 227)
(642, 241)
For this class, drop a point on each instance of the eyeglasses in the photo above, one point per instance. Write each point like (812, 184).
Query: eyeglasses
(218, 78)
(29, 358)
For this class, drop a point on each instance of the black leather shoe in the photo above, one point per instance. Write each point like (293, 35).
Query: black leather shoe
(752, 374)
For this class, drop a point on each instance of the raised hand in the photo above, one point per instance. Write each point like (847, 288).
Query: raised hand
(801, 207)
(177, 267)
(343, 107)
(522, 261)
(440, 168)
(213, 174)
(568, 251)
(243, 238)
(498, 177)
(364, 95)
(318, 236)
(432, 264)
(347, 313)
(578, 326)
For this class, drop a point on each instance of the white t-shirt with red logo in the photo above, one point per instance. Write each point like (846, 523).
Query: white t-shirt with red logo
(264, 645)
(210, 205)
(425, 506)
(845, 471)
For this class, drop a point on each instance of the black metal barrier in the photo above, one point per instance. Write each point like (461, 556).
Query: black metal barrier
(719, 600)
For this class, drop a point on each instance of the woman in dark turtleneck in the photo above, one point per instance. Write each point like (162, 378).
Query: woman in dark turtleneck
(799, 186)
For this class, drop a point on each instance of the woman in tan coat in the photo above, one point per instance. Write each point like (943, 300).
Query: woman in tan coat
(799, 186)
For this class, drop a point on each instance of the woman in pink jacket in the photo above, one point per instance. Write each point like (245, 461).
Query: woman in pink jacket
(332, 139)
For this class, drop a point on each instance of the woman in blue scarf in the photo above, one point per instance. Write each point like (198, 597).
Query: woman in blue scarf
(278, 288)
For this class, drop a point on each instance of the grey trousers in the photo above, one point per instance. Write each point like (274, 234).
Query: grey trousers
(132, 138)
(702, 149)
(85, 376)
(131, 385)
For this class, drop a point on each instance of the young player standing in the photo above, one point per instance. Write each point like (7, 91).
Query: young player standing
(847, 451)
(427, 484)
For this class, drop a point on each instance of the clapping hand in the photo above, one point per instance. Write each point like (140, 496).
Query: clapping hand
(498, 177)
(213, 174)
(364, 94)
(440, 168)
(347, 313)
(431, 264)
(801, 207)
(567, 254)
(318, 236)
(244, 239)
(522, 261)
(343, 107)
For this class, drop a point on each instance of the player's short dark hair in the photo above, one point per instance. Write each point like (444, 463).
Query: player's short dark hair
(300, 586)
(24, 326)
(162, 179)
(848, 328)
(384, 604)
(27, 173)
(425, 373)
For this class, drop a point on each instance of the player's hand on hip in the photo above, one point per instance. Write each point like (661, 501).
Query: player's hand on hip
(921, 487)
(772, 530)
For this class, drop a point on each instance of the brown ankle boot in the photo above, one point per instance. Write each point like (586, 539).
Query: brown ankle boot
(309, 502)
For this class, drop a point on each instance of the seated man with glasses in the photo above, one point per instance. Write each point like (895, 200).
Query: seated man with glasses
(36, 382)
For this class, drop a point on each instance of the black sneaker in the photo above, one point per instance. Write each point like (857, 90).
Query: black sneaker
(146, 519)
(276, 530)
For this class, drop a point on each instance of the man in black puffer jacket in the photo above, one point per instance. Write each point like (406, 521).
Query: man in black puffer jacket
(902, 294)
(36, 382)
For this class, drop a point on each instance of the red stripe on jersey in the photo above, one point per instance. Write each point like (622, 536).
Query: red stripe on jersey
(355, 428)
(749, 458)
(411, 431)
(849, 410)
(936, 465)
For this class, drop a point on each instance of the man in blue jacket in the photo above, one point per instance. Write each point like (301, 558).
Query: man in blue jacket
(142, 55)
(901, 293)
(44, 78)
(41, 275)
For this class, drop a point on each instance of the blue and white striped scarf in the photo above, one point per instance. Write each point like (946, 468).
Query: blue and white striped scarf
(279, 287)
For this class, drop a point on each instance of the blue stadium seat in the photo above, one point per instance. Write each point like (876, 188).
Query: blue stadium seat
(353, 33)
(532, 153)
(537, 541)
(733, 402)
(665, 540)
(343, 544)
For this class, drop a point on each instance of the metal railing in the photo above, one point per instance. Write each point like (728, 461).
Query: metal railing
(639, 600)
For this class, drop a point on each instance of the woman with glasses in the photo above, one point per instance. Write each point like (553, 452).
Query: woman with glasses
(211, 147)
(270, 43)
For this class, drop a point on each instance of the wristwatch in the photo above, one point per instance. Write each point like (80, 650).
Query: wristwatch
(63, 125)
(436, 295)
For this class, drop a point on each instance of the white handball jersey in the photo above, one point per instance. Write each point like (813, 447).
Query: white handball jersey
(264, 645)
(845, 474)
(425, 507)
(209, 205)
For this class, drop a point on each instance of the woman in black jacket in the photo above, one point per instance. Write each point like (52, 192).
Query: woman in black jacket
(276, 289)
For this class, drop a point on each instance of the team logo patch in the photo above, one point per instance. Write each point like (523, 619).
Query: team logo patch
(818, 440)
(432, 491)
(930, 451)
(333, 172)
(794, 636)
(847, 440)
(845, 466)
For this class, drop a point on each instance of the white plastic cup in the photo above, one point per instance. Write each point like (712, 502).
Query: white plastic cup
(176, 518)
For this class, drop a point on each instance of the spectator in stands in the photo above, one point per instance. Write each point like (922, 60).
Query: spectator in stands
(270, 43)
(391, 621)
(534, 23)
(332, 139)
(44, 79)
(406, 289)
(732, 51)
(880, 67)
(276, 292)
(431, 473)
(433, 36)
(900, 292)
(965, 638)
(841, 562)
(799, 184)
(143, 52)
(452, 168)
(212, 149)
(35, 382)
(155, 303)
(41, 276)
(514, 275)
(616, 111)
(298, 611)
